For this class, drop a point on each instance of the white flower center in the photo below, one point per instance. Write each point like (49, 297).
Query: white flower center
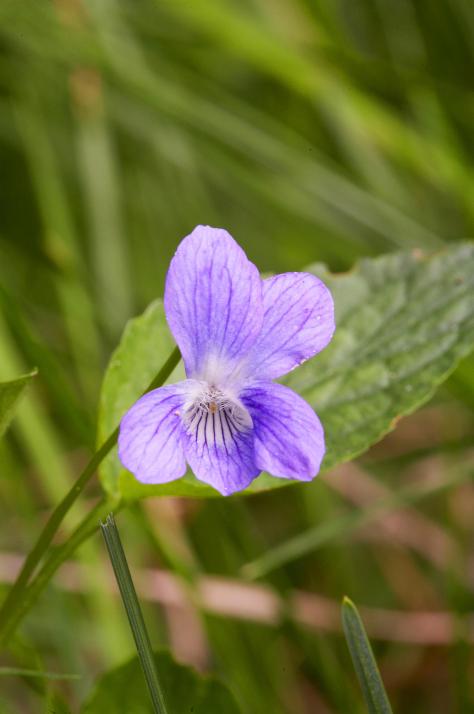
(215, 417)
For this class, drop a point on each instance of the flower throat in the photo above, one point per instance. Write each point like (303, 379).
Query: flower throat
(215, 418)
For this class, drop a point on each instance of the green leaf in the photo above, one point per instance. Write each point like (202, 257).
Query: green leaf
(403, 322)
(10, 393)
(123, 690)
(145, 346)
(364, 661)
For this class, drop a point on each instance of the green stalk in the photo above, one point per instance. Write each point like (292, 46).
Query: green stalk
(134, 613)
(13, 600)
(36, 673)
(84, 530)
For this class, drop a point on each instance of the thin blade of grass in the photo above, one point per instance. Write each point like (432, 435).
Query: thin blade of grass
(19, 672)
(13, 601)
(364, 661)
(134, 613)
(327, 531)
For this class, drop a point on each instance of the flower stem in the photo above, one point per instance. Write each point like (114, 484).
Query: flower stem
(134, 613)
(84, 530)
(13, 600)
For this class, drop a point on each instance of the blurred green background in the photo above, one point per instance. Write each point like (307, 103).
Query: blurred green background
(312, 131)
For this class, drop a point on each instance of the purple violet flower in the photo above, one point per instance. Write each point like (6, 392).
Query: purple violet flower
(236, 333)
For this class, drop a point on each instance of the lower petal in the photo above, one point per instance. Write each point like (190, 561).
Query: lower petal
(150, 437)
(227, 466)
(289, 438)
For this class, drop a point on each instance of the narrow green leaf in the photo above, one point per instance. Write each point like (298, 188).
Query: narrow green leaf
(134, 613)
(14, 605)
(364, 661)
(10, 393)
(99, 174)
(36, 673)
(21, 598)
(340, 526)
(121, 690)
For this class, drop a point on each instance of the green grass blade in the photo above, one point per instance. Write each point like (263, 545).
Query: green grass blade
(10, 393)
(134, 613)
(99, 174)
(13, 601)
(19, 672)
(340, 526)
(364, 661)
(24, 602)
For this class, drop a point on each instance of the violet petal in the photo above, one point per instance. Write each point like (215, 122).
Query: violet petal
(298, 323)
(289, 438)
(213, 303)
(227, 467)
(150, 438)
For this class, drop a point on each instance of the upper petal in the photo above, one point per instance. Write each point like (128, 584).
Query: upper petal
(150, 437)
(288, 436)
(213, 302)
(298, 323)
